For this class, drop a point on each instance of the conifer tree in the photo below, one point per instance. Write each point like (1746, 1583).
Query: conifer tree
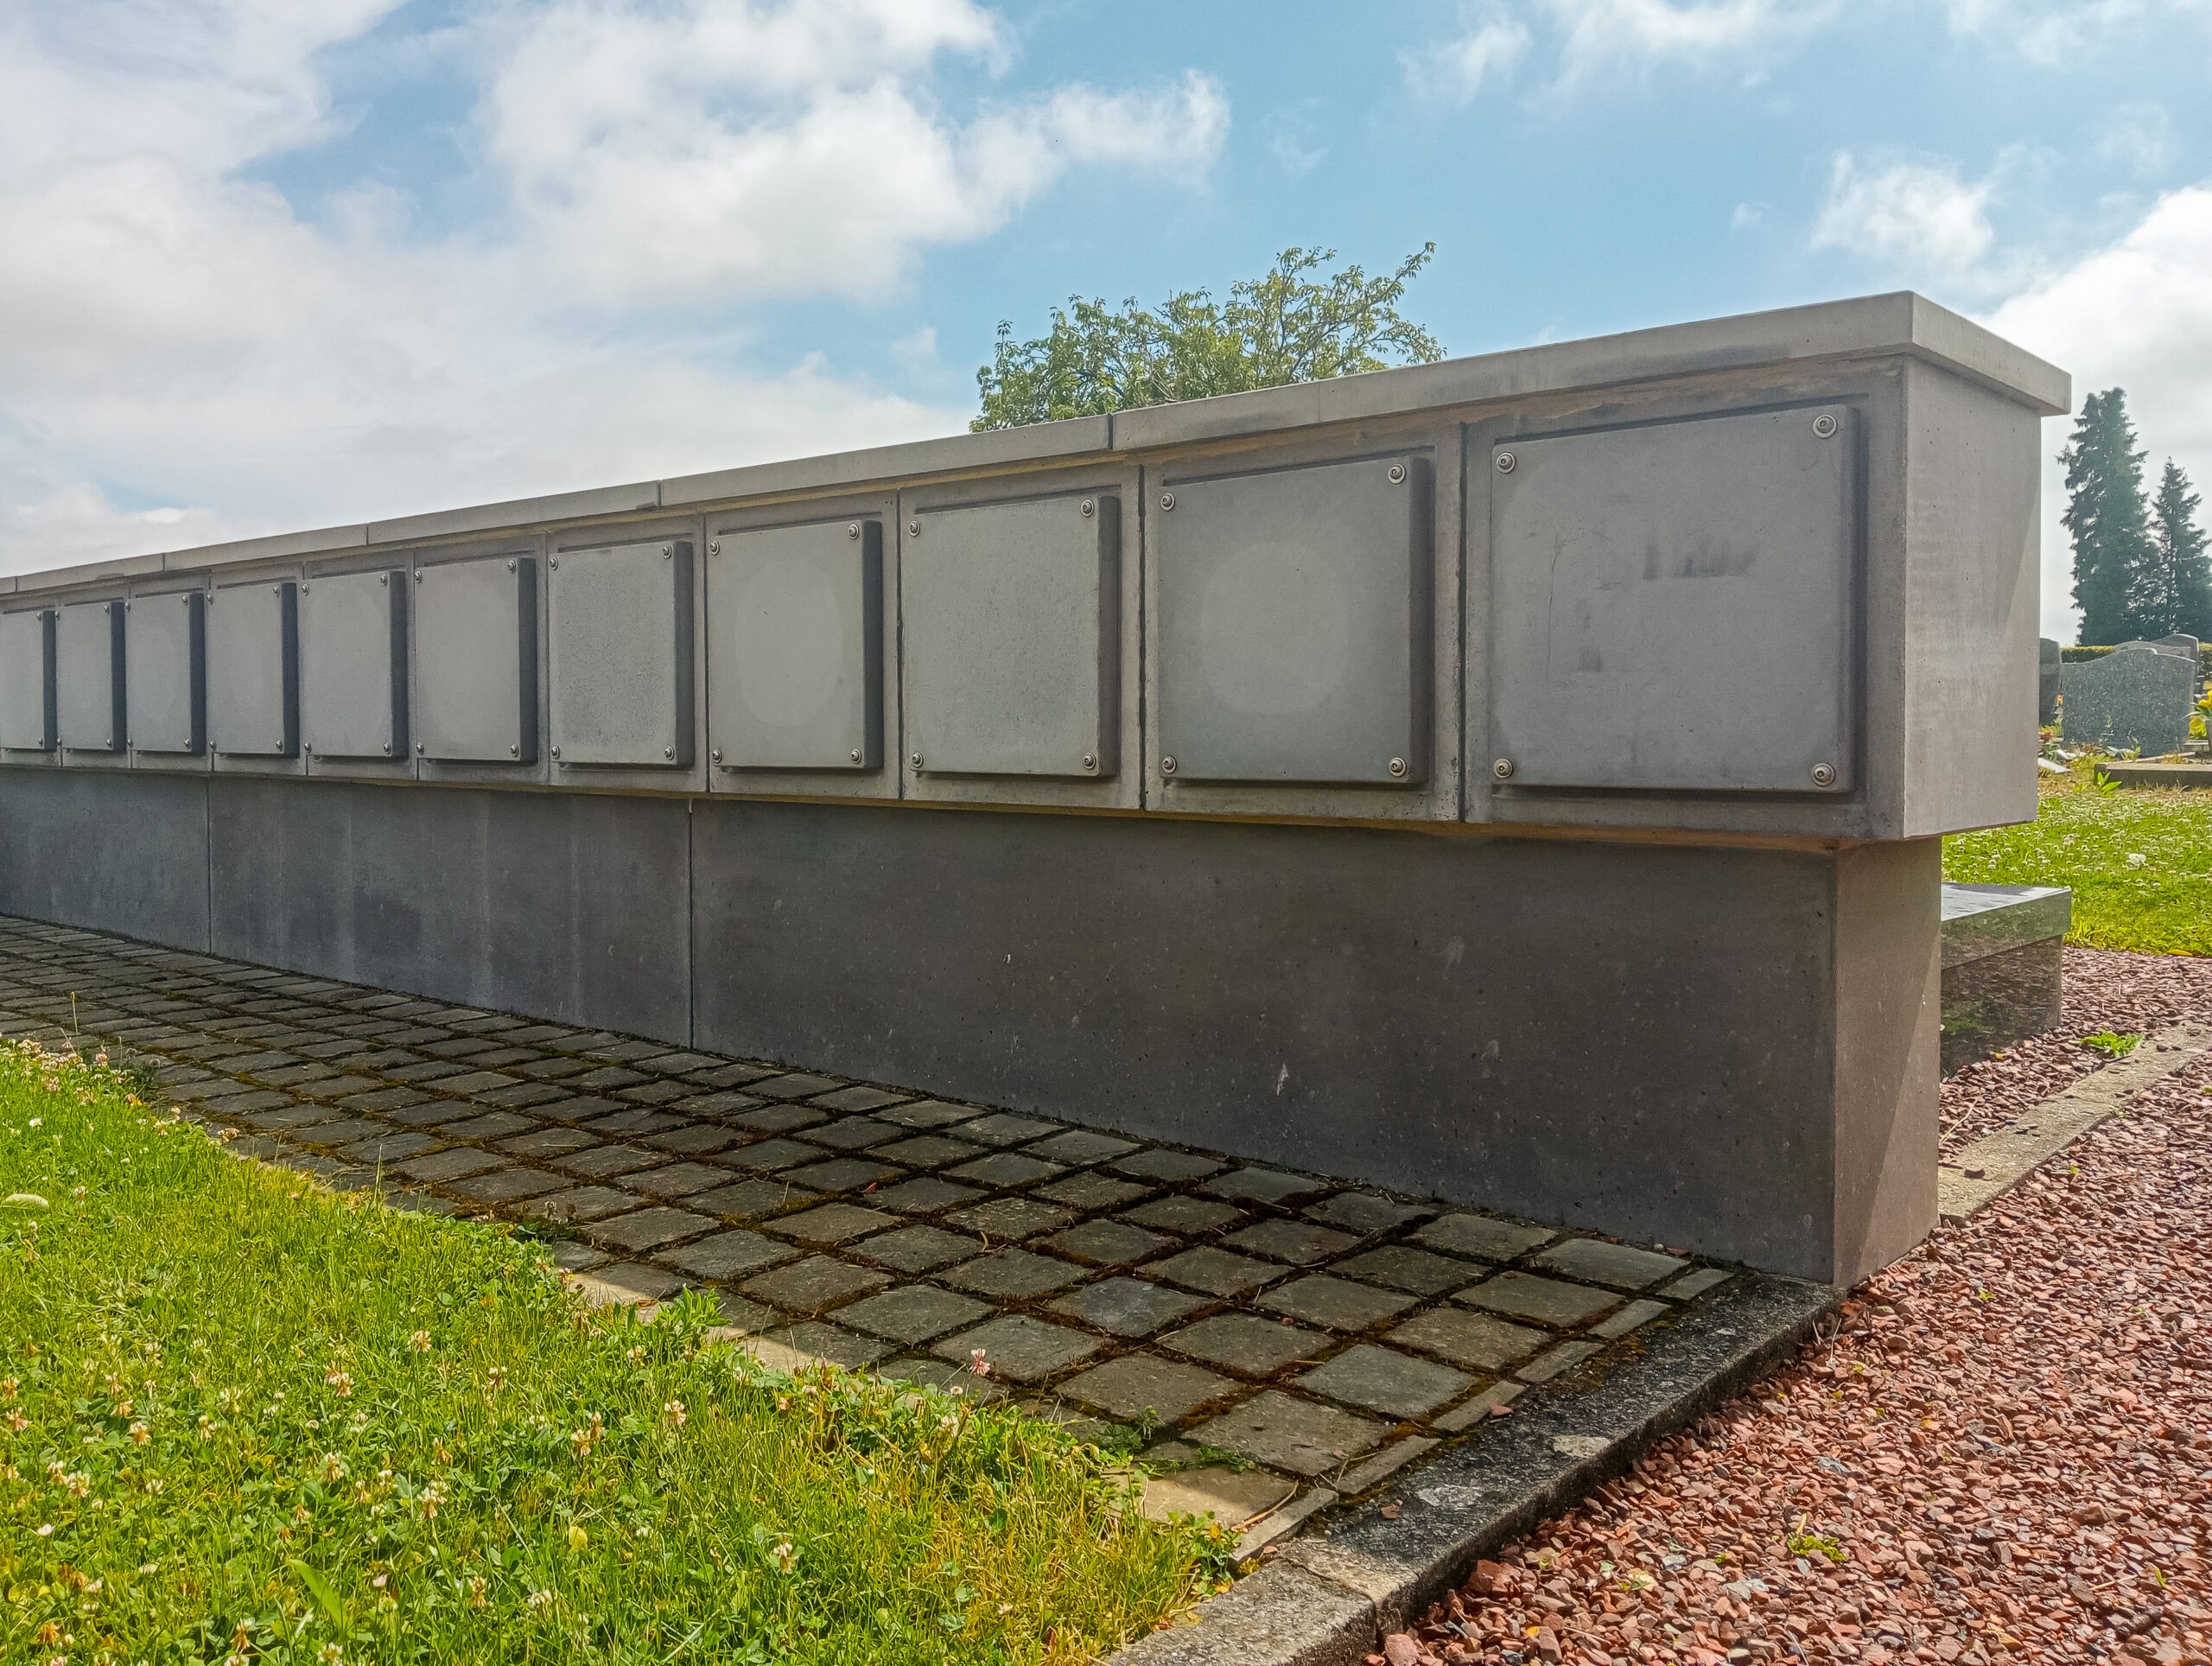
(2106, 513)
(2178, 558)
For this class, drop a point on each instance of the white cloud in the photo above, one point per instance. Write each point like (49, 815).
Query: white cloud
(2054, 33)
(182, 332)
(1747, 215)
(1491, 42)
(1909, 214)
(916, 354)
(1633, 33)
(2136, 314)
(2138, 135)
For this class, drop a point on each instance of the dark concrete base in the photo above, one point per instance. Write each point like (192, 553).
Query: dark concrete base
(1732, 1050)
(1989, 1003)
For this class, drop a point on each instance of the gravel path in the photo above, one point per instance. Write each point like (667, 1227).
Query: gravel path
(2006, 1454)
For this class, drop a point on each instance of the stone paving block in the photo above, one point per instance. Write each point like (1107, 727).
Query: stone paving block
(1526, 1296)
(843, 1174)
(730, 1076)
(507, 1185)
(637, 1121)
(504, 1057)
(548, 1142)
(1564, 1357)
(678, 1064)
(425, 1113)
(796, 1085)
(427, 1071)
(1608, 1264)
(1107, 1244)
(1481, 1238)
(538, 1034)
(1158, 1163)
(1080, 1145)
(1300, 1242)
(494, 1125)
(778, 1119)
(458, 1047)
(811, 1285)
(1004, 1129)
(293, 1076)
(601, 1161)
(1245, 1342)
(389, 1147)
(771, 1155)
(1475, 1340)
(745, 1318)
(293, 1116)
(1265, 1184)
(693, 1139)
(1635, 1315)
(833, 1223)
(582, 1108)
(1013, 1274)
(918, 1249)
(677, 1180)
(236, 1104)
(751, 1199)
(649, 1229)
(449, 1165)
(718, 1107)
(1229, 1497)
(1290, 1433)
(1337, 1303)
(1019, 1347)
(945, 1376)
(1696, 1283)
(1144, 1385)
(1127, 1307)
(632, 1281)
(854, 1133)
(584, 1202)
(928, 1151)
(523, 1094)
(253, 1063)
(838, 1346)
(925, 1113)
(1010, 1218)
(554, 1070)
(1006, 1169)
(655, 1093)
(859, 1098)
(1403, 1267)
(607, 1076)
(729, 1255)
(925, 1196)
(383, 1099)
(1385, 1380)
(1187, 1215)
(914, 1314)
(1365, 1211)
(1218, 1272)
(573, 1255)
(329, 1133)
(1092, 1190)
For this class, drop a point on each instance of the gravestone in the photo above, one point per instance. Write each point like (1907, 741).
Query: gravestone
(2003, 974)
(2137, 697)
(2047, 681)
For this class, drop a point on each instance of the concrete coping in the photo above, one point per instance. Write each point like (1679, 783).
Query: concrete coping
(1902, 324)
(1987, 920)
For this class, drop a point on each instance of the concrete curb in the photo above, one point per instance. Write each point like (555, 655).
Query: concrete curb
(2009, 1156)
(1328, 1600)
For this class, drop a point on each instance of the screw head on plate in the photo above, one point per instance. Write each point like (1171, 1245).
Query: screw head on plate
(668, 752)
(418, 746)
(1168, 765)
(1823, 774)
(1397, 766)
(665, 552)
(1090, 760)
(1501, 768)
(418, 576)
(514, 749)
(1167, 500)
(1090, 508)
(1397, 473)
(1505, 462)
(714, 549)
(511, 565)
(913, 529)
(852, 529)
(716, 754)
(276, 589)
(1824, 426)
(387, 747)
(304, 588)
(914, 759)
(556, 751)
(383, 579)
(555, 563)
(854, 754)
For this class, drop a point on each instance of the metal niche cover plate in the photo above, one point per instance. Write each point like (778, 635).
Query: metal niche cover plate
(165, 647)
(1294, 636)
(1011, 627)
(795, 647)
(88, 663)
(27, 681)
(353, 665)
(1672, 604)
(253, 703)
(621, 654)
(476, 661)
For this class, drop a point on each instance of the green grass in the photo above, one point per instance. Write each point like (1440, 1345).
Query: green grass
(2138, 859)
(243, 1419)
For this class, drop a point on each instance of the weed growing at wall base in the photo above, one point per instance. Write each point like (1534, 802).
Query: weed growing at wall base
(241, 1419)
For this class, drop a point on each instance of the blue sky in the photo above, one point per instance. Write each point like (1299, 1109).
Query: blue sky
(276, 265)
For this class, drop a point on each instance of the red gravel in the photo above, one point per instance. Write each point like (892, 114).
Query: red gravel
(2125, 994)
(2007, 1450)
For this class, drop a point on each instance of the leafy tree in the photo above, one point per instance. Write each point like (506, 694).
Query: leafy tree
(2179, 567)
(1280, 328)
(2106, 514)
